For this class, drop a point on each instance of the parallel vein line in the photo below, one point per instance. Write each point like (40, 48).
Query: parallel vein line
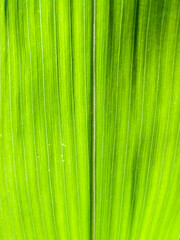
(2, 148)
(168, 121)
(116, 114)
(23, 138)
(33, 123)
(12, 138)
(94, 128)
(104, 111)
(153, 131)
(45, 122)
(127, 134)
(73, 116)
(59, 118)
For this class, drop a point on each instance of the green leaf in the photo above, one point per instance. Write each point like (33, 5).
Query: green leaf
(89, 119)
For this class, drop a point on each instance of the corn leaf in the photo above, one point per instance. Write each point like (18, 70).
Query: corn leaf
(89, 119)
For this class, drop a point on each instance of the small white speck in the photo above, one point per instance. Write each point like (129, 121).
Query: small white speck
(63, 145)
(62, 160)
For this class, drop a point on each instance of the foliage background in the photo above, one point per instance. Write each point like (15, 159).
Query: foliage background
(89, 119)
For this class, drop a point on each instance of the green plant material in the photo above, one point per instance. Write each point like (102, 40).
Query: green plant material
(89, 119)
